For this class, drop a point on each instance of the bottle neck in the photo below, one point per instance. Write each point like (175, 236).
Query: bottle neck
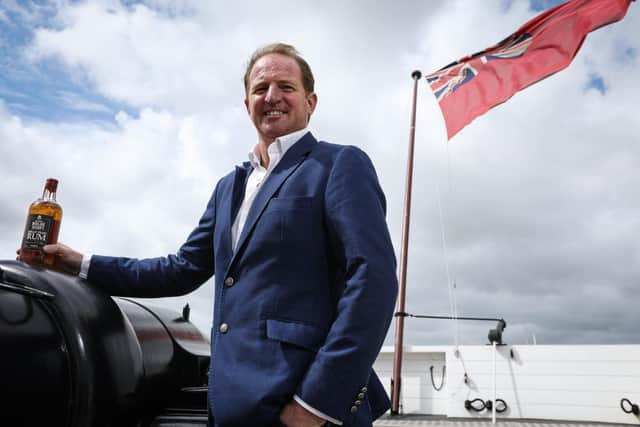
(50, 187)
(48, 195)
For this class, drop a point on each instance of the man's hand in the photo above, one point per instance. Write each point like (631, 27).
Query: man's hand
(294, 415)
(67, 260)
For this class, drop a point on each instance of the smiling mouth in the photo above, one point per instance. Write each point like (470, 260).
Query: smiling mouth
(273, 113)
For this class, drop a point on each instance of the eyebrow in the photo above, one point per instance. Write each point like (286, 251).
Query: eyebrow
(281, 81)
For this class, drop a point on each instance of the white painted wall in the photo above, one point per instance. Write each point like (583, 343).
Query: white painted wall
(418, 395)
(580, 383)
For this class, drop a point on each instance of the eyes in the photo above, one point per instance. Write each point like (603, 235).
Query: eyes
(262, 88)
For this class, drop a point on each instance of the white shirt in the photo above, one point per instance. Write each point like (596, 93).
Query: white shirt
(258, 176)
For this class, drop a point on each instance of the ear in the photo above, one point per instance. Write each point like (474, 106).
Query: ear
(312, 101)
(246, 104)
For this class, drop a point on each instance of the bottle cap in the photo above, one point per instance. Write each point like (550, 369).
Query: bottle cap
(51, 184)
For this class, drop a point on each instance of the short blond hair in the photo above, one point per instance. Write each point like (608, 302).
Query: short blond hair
(308, 81)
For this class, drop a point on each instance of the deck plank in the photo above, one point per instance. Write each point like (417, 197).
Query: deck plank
(439, 421)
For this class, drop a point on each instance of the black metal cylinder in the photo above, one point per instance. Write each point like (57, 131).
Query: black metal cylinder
(78, 357)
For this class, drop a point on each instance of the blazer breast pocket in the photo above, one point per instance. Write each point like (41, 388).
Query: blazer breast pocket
(284, 219)
(290, 204)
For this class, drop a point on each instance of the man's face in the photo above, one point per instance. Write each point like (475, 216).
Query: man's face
(276, 99)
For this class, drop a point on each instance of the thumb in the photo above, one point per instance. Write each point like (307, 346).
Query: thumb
(52, 249)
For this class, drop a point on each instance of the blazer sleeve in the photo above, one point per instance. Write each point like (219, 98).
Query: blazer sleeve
(175, 274)
(355, 209)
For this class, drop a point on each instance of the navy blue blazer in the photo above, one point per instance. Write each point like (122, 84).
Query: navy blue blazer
(303, 304)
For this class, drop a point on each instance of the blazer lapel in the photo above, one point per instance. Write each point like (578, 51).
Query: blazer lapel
(237, 195)
(289, 163)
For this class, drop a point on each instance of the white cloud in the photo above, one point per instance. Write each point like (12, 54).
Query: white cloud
(139, 56)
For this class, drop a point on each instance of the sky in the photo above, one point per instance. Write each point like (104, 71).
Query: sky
(531, 213)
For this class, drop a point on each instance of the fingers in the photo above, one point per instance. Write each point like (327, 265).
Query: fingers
(31, 257)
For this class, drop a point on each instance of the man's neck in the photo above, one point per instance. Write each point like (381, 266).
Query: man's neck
(262, 149)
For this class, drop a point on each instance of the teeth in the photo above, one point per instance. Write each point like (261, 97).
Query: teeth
(273, 113)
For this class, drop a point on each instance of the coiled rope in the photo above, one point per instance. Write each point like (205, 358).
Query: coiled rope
(473, 405)
(632, 407)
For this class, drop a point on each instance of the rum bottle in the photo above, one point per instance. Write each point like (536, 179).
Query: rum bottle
(43, 225)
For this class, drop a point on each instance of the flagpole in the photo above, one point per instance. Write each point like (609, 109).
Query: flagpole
(397, 355)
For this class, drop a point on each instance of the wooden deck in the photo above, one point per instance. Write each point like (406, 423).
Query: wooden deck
(439, 421)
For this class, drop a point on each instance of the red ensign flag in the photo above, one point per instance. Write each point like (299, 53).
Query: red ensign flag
(545, 45)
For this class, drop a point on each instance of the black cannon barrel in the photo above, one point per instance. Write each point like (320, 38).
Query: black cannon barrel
(71, 355)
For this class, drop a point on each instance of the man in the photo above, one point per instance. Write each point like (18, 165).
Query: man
(304, 268)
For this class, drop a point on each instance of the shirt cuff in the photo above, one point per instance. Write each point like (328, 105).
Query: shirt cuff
(315, 412)
(84, 267)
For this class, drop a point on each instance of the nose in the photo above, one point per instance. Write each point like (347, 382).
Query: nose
(273, 94)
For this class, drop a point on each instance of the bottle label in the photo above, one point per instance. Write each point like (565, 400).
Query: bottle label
(38, 231)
